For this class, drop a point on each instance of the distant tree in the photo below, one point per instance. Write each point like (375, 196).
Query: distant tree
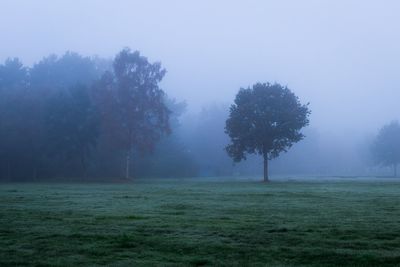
(266, 120)
(171, 157)
(55, 73)
(132, 106)
(386, 147)
(56, 78)
(13, 75)
(15, 131)
(205, 138)
(72, 126)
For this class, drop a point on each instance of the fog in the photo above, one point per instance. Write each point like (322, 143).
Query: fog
(340, 56)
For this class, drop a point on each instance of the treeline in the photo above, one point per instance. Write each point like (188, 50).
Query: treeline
(75, 117)
(86, 118)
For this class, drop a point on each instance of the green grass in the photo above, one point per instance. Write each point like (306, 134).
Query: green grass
(194, 222)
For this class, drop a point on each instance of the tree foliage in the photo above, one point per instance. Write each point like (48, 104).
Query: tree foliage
(17, 138)
(265, 119)
(55, 73)
(386, 147)
(72, 126)
(133, 109)
(58, 118)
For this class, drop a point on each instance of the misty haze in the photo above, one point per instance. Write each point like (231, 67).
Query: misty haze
(189, 133)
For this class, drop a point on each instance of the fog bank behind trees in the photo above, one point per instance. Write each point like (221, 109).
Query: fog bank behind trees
(340, 56)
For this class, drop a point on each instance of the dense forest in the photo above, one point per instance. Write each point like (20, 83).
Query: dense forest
(59, 119)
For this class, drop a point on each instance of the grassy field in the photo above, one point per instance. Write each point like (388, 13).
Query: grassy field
(201, 222)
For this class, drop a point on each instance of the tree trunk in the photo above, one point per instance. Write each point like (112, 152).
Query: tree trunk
(128, 159)
(34, 172)
(266, 178)
(83, 166)
(8, 170)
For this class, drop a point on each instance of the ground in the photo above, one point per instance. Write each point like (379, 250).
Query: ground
(320, 222)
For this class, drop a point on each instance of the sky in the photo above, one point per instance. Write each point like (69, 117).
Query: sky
(342, 56)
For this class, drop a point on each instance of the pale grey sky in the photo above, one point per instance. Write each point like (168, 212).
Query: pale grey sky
(343, 56)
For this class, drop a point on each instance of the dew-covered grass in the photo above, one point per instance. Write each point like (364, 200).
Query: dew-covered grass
(201, 222)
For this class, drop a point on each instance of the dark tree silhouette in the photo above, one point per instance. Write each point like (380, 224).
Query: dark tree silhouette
(265, 119)
(15, 127)
(133, 109)
(72, 126)
(386, 147)
(54, 113)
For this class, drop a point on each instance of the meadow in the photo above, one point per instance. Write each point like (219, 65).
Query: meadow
(195, 222)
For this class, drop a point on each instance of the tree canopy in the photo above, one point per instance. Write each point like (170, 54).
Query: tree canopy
(265, 119)
(72, 126)
(71, 116)
(133, 105)
(386, 146)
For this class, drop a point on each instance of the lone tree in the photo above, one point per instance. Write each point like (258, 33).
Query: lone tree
(132, 104)
(386, 147)
(266, 120)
